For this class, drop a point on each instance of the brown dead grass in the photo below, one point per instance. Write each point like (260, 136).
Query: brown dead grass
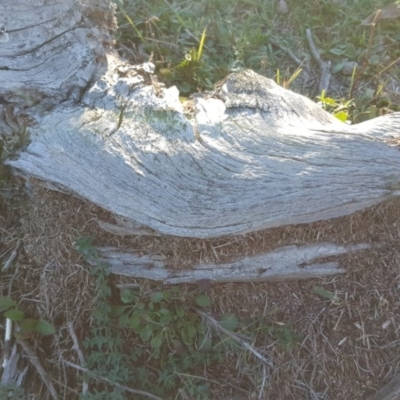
(346, 347)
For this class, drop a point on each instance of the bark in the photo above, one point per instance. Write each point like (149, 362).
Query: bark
(391, 391)
(53, 50)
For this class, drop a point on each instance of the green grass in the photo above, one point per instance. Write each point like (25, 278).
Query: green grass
(243, 34)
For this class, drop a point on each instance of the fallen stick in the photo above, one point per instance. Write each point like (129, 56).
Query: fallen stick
(325, 66)
(43, 374)
(234, 337)
(79, 352)
(104, 379)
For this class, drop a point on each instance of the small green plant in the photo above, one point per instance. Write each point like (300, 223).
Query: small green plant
(286, 82)
(161, 320)
(27, 326)
(191, 73)
(261, 329)
(166, 338)
(340, 109)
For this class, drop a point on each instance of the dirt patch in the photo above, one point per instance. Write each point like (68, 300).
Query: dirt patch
(338, 348)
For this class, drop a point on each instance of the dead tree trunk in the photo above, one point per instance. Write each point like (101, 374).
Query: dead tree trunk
(250, 156)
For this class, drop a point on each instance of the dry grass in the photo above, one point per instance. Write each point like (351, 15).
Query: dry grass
(346, 348)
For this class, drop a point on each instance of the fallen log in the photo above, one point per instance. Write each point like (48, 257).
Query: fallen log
(257, 157)
(253, 156)
(247, 157)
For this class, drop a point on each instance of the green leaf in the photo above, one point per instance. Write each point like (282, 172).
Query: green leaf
(117, 311)
(134, 321)
(200, 327)
(156, 297)
(123, 321)
(229, 321)
(342, 115)
(203, 300)
(146, 333)
(6, 303)
(205, 345)
(329, 101)
(165, 320)
(128, 296)
(337, 52)
(190, 330)
(338, 67)
(180, 312)
(375, 59)
(177, 345)
(167, 294)
(324, 293)
(45, 327)
(28, 325)
(15, 315)
(156, 342)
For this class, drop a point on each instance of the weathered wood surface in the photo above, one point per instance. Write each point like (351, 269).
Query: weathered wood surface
(55, 49)
(391, 391)
(289, 262)
(257, 157)
(250, 157)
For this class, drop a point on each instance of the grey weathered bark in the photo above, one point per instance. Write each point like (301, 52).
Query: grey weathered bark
(250, 156)
(289, 262)
(391, 391)
(256, 157)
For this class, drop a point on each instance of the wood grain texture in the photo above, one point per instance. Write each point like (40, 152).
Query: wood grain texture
(251, 156)
(54, 49)
(264, 156)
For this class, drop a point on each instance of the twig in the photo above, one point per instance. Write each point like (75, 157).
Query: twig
(8, 361)
(79, 352)
(237, 339)
(104, 379)
(264, 381)
(366, 57)
(127, 286)
(289, 53)
(325, 66)
(35, 361)
(11, 373)
(7, 343)
(11, 258)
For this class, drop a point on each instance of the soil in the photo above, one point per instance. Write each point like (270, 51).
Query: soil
(343, 347)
